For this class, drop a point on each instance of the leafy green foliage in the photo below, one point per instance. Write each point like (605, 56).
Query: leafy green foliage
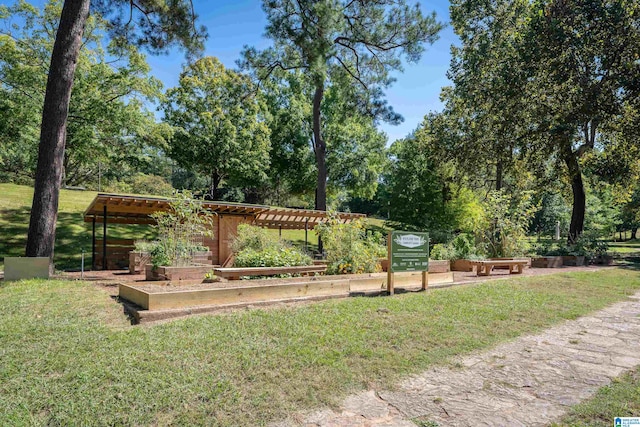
(423, 194)
(506, 223)
(272, 257)
(180, 231)
(349, 45)
(349, 249)
(218, 125)
(109, 126)
(462, 246)
(256, 247)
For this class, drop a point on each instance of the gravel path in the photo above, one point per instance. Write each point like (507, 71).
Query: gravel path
(530, 381)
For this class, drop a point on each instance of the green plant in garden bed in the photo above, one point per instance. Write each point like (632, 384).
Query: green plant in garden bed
(252, 367)
(179, 231)
(257, 247)
(349, 249)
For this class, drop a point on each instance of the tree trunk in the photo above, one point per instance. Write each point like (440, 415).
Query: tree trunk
(215, 184)
(634, 231)
(579, 197)
(44, 210)
(321, 152)
(499, 169)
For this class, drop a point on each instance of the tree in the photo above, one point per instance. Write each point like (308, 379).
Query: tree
(423, 194)
(218, 122)
(156, 24)
(355, 148)
(328, 38)
(108, 124)
(582, 68)
(546, 77)
(484, 108)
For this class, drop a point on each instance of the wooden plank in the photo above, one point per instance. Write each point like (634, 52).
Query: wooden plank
(134, 295)
(117, 242)
(168, 300)
(235, 273)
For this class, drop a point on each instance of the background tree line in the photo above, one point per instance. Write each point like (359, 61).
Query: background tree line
(541, 113)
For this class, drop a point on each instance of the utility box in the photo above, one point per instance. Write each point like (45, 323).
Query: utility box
(18, 268)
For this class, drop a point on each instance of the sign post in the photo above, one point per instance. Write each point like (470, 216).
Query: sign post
(408, 251)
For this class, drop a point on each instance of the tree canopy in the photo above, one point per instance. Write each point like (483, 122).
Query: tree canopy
(218, 125)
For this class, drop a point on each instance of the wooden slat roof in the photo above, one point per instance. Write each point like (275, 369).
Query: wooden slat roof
(124, 209)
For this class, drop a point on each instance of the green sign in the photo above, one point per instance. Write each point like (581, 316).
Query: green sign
(409, 251)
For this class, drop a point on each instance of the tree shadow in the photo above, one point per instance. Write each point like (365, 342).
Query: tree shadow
(631, 262)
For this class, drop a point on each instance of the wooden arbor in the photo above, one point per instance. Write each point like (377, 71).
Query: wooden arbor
(123, 209)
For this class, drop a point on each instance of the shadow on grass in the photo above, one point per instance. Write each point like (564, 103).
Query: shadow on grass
(629, 262)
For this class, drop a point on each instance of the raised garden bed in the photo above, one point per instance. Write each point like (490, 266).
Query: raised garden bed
(189, 272)
(163, 295)
(461, 265)
(575, 261)
(439, 266)
(547, 262)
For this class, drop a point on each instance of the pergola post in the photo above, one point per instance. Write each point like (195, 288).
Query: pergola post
(104, 238)
(93, 244)
(306, 241)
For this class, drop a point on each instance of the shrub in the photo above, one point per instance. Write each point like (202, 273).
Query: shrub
(256, 247)
(256, 238)
(442, 251)
(180, 231)
(150, 184)
(272, 257)
(507, 219)
(349, 251)
(461, 247)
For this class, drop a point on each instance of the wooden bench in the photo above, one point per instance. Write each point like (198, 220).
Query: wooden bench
(485, 267)
(234, 273)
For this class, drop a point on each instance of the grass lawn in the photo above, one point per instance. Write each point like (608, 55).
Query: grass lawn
(69, 356)
(72, 233)
(619, 399)
(628, 247)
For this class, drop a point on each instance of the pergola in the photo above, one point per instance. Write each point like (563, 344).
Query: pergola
(125, 209)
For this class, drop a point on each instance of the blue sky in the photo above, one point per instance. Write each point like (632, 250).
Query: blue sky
(233, 24)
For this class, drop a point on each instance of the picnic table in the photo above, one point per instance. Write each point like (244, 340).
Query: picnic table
(485, 267)
(234, 273)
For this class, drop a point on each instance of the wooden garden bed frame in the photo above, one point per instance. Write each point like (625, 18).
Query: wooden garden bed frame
(234, 273)
(272, 290)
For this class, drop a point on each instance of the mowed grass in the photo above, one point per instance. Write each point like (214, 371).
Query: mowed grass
(627, 247)
(72, 234)
(69, 357)
(619, 399)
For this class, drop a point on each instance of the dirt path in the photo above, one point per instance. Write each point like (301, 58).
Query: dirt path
(527, 382)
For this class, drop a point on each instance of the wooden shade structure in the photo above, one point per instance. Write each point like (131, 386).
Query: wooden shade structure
(124, 209)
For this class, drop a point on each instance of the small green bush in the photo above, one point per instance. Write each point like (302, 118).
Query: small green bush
(256, 238)
(349, 250)
(442, 251)
(461, 247)
(256, 247)
(272, 257)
